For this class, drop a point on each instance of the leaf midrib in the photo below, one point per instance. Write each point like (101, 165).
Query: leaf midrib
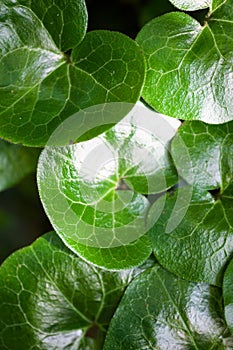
(80, 314)
(32, 88)
(70, 86)
(212, 207)
(177, 309)
(64, 62)
(219, 6)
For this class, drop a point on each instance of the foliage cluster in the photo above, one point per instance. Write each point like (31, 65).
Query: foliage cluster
(99, 281)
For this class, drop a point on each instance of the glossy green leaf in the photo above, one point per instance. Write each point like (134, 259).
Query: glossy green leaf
(191, 5)
(42, 84)
(194, 238)
(51, 299)
(65, 21)
(161, 311)
(93, 192)
(189, 74)
(228, 295)
(210, 148)
(200, 246)
(15, 163)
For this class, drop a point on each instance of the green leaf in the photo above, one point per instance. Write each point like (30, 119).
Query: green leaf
(193, 236)
(93, 192)
(191, 5)
(65, 21)
(200, 245)
(209, 165)
(161, 311)
(228, 295)
(15, 163)
(189, 66)
(51, 299)
(42, 84)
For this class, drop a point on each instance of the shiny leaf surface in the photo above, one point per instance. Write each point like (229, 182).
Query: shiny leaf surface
(189, 74)
(199, 244)
(210, 148)
(65, 21)
(15, 163)
(93, 192)
(51, 299)
(191, 5)
(161, 311)
(48, 72)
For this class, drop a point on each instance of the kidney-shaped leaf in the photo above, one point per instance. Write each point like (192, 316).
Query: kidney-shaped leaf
(51, 299)
(42, 84)
(189, 74)
(163, 312)
(15, 163)
(93, 192)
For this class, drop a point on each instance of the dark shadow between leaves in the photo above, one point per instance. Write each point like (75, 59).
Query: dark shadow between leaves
(216, 193)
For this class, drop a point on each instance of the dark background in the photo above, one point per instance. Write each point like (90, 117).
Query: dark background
(22, 218)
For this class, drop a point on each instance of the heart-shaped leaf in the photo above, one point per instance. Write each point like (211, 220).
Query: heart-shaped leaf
(200, 239)
(228, 295)
(51, 299)
(191, 5)
(189, 74)
(162, 311)
(93, 192)
(15, 163)
(41, 84)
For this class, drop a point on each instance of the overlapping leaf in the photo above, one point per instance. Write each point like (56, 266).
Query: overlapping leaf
(51, 299)
(41, 83)
(65, 21)
(189, 74)
(15, 163)
(210, 148)
(200, 243)
(162, 311)
(93, 192)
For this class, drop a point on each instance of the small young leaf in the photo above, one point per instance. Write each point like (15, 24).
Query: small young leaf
(191, 5)
(51, 299)
(15, 163)
(189, 74)
(93, 192)
(42, 84)
(162, 311)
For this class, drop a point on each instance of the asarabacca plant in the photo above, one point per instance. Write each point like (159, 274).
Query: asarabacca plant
(142, 207)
